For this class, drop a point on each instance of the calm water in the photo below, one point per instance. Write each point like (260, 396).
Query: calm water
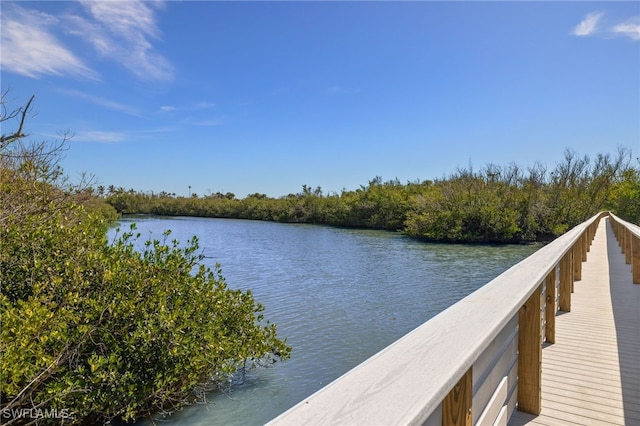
(337, 295)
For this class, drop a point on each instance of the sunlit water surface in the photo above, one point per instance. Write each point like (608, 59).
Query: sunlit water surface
(337, 295)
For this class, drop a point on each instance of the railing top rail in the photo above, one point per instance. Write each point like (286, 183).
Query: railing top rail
(635, 229)
(405, 382)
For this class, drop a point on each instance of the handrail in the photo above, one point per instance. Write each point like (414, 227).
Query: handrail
(628, 236)
(431, 367)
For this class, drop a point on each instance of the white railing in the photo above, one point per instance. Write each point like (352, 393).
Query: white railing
(471, 364)
(628, 236)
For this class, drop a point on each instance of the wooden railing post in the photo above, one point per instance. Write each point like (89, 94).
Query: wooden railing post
(628, 243)
(566, 281)
(618, 236)
(530, 355)
(586, 238)
(550, 307)
(456, 407)
(577, 259)
(635, 261)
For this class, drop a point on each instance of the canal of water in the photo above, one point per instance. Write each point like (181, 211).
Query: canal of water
(337, 295)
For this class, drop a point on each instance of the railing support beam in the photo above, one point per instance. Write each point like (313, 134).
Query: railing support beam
(628, 243)
(550, 307)
(566, 281)
(456, 407)
(635, 261)
(577, 259)
(530, 355)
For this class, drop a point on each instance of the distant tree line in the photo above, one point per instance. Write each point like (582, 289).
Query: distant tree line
(496, 204)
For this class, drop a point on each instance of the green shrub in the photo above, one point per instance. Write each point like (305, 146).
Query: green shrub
(106, 331)
(94, 331)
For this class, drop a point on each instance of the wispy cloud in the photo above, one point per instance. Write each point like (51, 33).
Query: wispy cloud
(123, 32)
(29, 47)
(103, 102)
(589, 24)
(99, 136)
(197, 106)
(110, 136)
(120, 31)
(592, 22)
(629, 29)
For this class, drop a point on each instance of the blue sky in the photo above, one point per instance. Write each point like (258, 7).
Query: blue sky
(267, 96)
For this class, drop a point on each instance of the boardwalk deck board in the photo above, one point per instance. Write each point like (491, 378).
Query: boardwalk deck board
(591, 374)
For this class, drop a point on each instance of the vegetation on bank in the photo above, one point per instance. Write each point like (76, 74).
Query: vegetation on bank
(91, 330)
(496, 204)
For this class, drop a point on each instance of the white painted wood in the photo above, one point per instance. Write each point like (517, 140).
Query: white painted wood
(435, 419)
(496, 370)
(493, 352)
(512, 399)
(503, 417)
(495, 404)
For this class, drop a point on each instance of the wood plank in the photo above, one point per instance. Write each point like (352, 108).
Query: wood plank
(519, 419)
(611, 401)
(594, 414)
(496, 405)
(609, 366)
(578, 391)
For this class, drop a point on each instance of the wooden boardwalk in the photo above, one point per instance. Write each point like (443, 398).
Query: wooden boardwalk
(591, 375)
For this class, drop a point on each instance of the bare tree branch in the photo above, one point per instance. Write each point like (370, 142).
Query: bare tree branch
(22, 112)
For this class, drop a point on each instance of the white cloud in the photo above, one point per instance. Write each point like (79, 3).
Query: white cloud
(629, 29)
(107, 136)
(197, 106)
(129, 18)
(122, 31)
(29, 47)
(107, 103)
(100, 136)
(589, 24)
